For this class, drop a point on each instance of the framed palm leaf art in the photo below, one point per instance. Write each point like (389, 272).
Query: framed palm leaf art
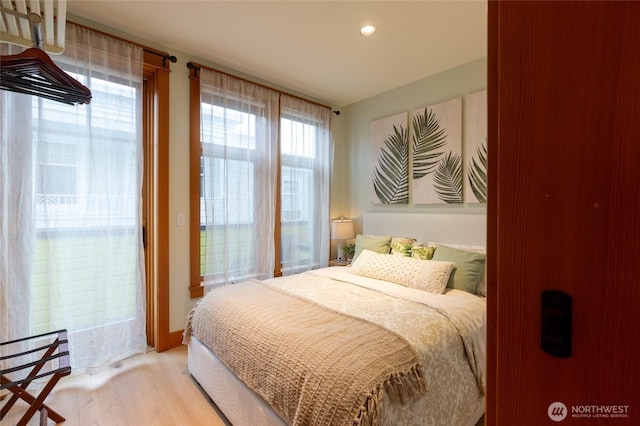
(436, 155)
(475, 184)
(390, 160)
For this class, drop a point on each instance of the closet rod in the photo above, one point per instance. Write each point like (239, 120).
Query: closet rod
(194, 67)
(32, 72)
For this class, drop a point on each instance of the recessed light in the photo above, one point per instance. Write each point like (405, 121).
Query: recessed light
(368, 30)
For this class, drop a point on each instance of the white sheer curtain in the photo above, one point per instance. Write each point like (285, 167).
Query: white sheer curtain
(239, 130)
(306, 154)
(70, 194)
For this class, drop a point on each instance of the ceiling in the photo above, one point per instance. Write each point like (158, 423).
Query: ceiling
(312, 48)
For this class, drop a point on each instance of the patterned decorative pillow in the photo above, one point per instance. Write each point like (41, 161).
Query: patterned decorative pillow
(422, 252)
(375, 243)
(401, 246)
(426, 275)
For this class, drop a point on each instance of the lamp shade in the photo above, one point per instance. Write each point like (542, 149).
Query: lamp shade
(342, 229)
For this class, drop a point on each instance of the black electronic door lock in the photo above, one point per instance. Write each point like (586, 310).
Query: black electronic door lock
(555, 332)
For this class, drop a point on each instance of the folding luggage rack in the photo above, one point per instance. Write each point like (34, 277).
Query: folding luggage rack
(54, 353)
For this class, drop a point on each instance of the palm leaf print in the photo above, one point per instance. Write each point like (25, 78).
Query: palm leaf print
(447, 178)
(477, 173)
(391, 176)
(427, 138)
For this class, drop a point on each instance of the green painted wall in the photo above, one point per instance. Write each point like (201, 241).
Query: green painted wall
(350, 195)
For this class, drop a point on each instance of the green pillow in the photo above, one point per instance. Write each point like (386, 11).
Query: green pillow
(374, 243)
(401, 246)
(422, 252)
(468, 267)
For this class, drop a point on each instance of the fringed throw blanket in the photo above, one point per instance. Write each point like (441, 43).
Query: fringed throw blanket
(313, 365)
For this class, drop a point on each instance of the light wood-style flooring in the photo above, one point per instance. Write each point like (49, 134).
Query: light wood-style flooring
(150, 389)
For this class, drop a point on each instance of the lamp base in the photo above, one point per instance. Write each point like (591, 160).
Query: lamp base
(341, 256)
(336, 262)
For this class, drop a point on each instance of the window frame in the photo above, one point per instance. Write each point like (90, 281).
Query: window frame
(196, 280)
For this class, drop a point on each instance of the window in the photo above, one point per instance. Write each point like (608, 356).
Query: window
(259, 152)
(86, 200)
(228, 156)
(76, 170)
(74, 185)
(299, 149)
(227, 196)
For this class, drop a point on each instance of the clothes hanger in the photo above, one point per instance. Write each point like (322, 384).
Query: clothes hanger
(34, 73)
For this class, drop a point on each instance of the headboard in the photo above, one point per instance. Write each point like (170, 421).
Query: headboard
(454, 228)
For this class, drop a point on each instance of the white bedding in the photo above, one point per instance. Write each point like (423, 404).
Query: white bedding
(465, 310)
(447, 331)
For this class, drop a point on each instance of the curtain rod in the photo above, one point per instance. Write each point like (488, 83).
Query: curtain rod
(164, 55)
(193, 66)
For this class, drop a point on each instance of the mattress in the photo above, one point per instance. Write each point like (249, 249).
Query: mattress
(446, 330)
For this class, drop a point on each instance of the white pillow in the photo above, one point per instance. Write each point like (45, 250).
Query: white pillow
(426, 275)
(361, 260)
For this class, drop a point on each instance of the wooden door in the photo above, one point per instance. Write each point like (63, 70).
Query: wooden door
(564, 210)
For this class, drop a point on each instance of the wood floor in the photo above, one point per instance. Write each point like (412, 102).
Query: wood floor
(151, 389)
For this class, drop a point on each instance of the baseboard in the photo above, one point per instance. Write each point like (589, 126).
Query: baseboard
(175, 339)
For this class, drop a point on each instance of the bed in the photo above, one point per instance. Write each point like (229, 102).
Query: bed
(387, 372)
